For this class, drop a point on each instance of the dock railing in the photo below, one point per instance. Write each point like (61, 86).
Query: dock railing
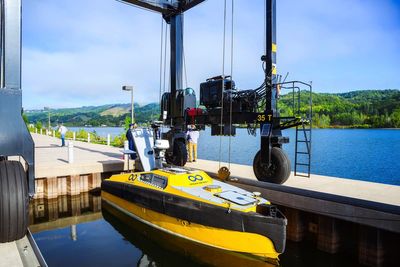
(83, 136)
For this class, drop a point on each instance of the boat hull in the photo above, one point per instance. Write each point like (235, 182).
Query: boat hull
(160, 245)
(199, 222)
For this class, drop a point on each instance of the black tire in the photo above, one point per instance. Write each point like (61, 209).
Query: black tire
(14, 201)
(180, 154)
(278, 172)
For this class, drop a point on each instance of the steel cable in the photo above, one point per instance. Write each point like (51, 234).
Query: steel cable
(230, 98)
(222, 88)
(165, 55)
(161, 58)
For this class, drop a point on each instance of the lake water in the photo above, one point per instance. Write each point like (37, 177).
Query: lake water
(101, 131)
(361, 154)
(98, 235)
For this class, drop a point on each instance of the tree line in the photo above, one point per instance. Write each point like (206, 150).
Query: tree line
(357, 109)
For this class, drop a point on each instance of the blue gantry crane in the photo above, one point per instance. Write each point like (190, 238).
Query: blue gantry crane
(17, 177)
(224, 107)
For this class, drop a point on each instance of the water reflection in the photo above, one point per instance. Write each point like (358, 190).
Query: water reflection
(62, 212)
(47, 210)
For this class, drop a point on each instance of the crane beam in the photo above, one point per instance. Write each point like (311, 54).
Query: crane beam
(165, 7)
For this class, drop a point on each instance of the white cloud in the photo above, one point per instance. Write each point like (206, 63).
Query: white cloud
(81, 52)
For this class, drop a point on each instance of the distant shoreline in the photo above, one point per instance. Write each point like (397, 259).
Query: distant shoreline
(330, 127)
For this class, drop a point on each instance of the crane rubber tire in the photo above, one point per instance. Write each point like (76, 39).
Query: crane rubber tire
(278, 172)
(14, 201)
(180, 154)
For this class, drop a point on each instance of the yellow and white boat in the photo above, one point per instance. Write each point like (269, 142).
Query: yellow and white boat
(188, 204)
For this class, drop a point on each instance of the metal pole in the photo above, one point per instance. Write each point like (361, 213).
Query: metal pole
(2, 48)
(270, 63)
(270, 74)
(10, 44)
(132, 108)
(49, 120)
(130, 88)
(176, 63)
(126, 156)
(70, 152)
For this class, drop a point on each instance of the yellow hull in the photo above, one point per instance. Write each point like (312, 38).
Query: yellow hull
(240, 242)
(139, 234)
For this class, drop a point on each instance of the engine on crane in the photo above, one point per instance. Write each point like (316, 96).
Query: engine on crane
(233, 100)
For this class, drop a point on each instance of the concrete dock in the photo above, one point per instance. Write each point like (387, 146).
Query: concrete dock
(376, 192)
(52, 160)
(21, 253)
(55, 176)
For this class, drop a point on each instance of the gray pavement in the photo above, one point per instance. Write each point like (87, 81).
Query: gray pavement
(51, 159)
(382, 193)
(9, 255)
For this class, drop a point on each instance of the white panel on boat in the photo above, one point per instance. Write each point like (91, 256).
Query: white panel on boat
(200, 192)
(237, 198)
(206, 195)
(228, 187)
(144, 143)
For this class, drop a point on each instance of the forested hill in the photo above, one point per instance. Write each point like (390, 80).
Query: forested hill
(368, 108)
(106, 115)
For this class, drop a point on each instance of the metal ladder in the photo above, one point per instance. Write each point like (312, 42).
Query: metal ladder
(301, 118)
(303, 149)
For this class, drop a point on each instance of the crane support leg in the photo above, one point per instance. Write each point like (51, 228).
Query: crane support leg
(15, 140)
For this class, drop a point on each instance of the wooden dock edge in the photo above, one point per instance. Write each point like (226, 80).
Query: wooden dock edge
(70, 185)
(369, 213)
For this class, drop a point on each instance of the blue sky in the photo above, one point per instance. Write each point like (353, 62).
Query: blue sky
(80, 52)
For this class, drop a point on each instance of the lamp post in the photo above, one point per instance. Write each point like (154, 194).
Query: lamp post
(130, 88)
(48, 109)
